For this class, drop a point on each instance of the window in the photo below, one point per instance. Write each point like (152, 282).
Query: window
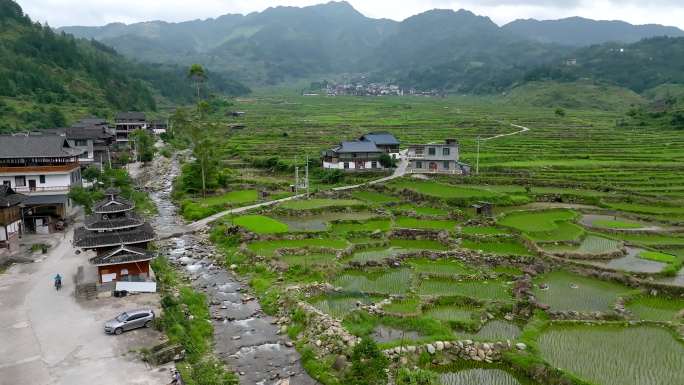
(124, 271)
(42, 179)
(135, 317)
(20, 181)
(346, 165)
(419, 164)
(446, 164)
(374, 164)
(431, 151)
(445, 151)
(419, 151)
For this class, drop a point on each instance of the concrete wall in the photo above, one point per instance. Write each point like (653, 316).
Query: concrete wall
(352, 166)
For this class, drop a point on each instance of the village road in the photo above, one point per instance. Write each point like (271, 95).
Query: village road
(47, 337)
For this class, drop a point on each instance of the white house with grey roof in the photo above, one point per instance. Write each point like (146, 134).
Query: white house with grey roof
(361, 155)
(45, 168)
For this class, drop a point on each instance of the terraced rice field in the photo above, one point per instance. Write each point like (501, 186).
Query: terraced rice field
(479, 376)
(311, 259)
(261, 224)
(430, 224)
(311, 204)
(395, 281)
(417, 244)
(657, 309)
(537, 221)
(482, 290)
(613, 355)
(374, 197)
(339, 305)
(369, 226)
(591, 244)
(567, 291)
(482, 230)
(376, 255)
(496, 330)
(440, 190)
(423, 210)
(440, 267)
(459, 313)
(403, 306)
(267, 248)
(497, 247)
(321, 222)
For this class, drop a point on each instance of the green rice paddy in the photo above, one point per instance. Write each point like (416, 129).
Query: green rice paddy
(269, 247)
(453, 313)
(568, 291)
(409, 305)
(430, 224)
(481, 290)
(478, 377)
(440, 267)
(591, 244)
(394, 281)
(537, 221)
(657, 309)
(447, 191)
(497, 247)
(311, 204)
(260, 224)
(374, 197)
(339, 305)
(496, 330)
(613, 355)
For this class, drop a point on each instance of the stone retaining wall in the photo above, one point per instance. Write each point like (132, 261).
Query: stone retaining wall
(445, 352)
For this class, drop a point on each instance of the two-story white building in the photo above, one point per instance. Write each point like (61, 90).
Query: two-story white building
(45, 168)
(437, 158)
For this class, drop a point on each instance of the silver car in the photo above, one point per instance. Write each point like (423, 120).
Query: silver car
(130, 320)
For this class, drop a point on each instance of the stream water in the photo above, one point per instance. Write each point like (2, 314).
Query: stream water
(244, 337)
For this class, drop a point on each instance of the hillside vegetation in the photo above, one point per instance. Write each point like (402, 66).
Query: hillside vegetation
(454, 51)
(44, 74)
(575, 95)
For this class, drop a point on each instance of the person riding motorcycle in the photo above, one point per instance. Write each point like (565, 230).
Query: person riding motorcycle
(58, 281)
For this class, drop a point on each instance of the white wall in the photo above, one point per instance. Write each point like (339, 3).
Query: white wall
(352, 165)
(51, 179)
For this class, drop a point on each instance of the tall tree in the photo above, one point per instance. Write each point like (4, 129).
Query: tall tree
(198, 75)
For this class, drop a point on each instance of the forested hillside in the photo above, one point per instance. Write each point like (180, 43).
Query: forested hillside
(43, 74)
(445, 50)
(578, 31)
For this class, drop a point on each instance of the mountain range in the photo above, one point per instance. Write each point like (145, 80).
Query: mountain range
(439, 49)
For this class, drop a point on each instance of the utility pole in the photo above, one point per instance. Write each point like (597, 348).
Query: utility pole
(477, 161)
(296, 184)
(306, 173)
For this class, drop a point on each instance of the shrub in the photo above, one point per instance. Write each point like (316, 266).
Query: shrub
(368, 365)
(417, 377)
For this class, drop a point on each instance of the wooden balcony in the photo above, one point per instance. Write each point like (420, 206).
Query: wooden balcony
(37, 169)
(41, 189)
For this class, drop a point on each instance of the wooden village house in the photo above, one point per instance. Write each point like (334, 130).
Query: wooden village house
(10, 215)
(44, 168)
(361, 155)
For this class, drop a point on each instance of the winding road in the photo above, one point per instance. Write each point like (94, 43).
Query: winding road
(399, 172)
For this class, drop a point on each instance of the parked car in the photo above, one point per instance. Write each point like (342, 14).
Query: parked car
(130, 320)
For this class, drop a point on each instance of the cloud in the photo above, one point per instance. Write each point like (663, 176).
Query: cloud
(98, 12)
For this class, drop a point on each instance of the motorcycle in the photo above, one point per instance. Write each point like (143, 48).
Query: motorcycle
(58, 285)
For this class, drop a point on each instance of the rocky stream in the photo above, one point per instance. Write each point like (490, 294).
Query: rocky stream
(245, 338)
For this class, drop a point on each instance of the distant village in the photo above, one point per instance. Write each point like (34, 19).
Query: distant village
(362, 88)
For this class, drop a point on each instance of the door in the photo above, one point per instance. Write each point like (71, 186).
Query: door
(32, 185)
(133, 322)
(433, 166)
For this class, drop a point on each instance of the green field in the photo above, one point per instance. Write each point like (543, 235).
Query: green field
(260, 224)
(546, 184)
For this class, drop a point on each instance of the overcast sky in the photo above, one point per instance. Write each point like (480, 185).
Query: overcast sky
(98, 12)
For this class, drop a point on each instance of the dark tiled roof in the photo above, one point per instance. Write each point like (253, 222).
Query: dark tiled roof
(45, 200)
(39, 146)
(381, 138)
(116, 205)
(10, 198)
(357, 146)
(93, 240)
(123, 254)
(130, 115)
(90, 122)
(95, 222)
(87, 133)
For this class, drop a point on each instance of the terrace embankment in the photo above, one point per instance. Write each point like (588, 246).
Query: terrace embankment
(245, 338)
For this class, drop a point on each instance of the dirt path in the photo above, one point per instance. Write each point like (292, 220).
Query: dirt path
(399, 172)
(522, 130)
(47, 337)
